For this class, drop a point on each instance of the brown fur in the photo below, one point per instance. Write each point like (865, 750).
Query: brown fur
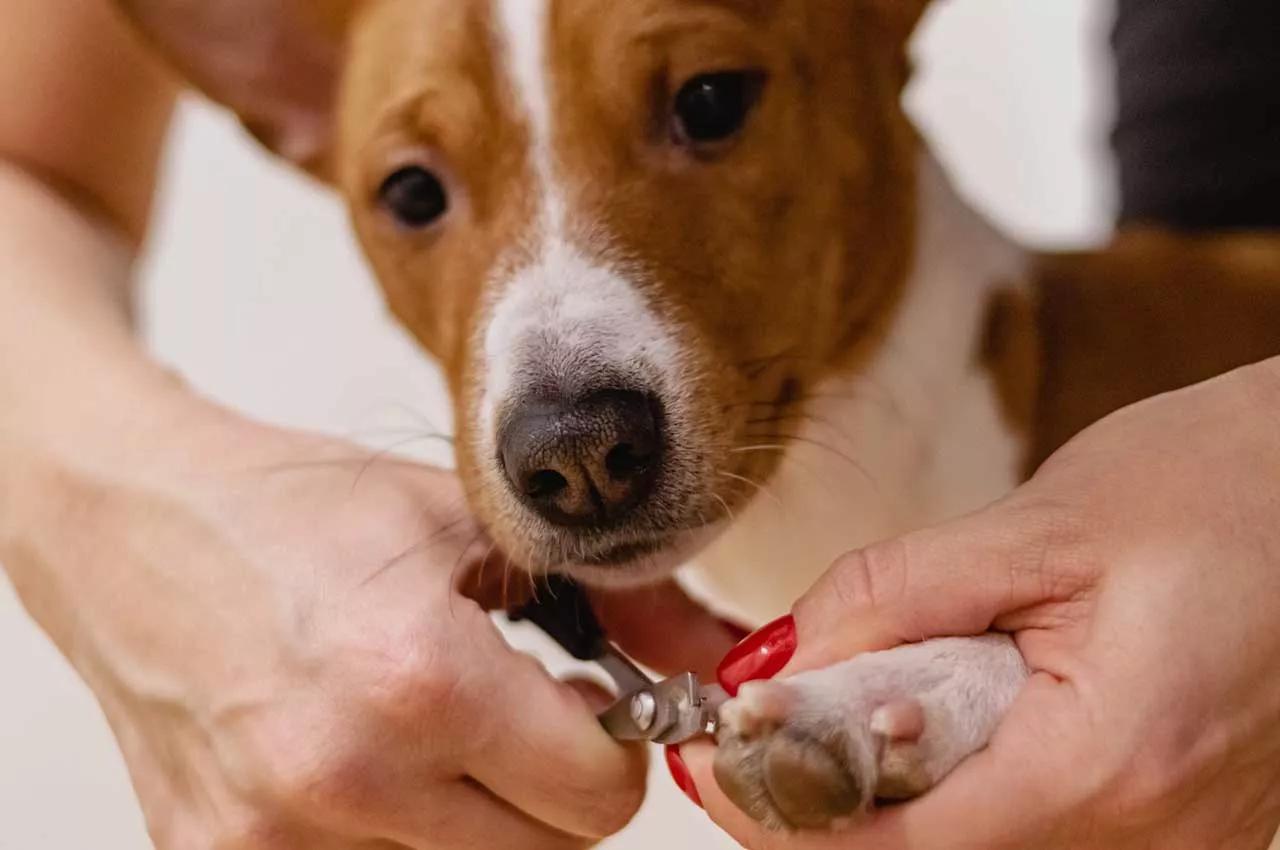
(1010, 351)
(1151, 313)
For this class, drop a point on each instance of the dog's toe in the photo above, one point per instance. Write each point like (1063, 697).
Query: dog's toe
(897, 728)
(785, 767)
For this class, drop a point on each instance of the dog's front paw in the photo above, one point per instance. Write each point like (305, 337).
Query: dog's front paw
(814, 751)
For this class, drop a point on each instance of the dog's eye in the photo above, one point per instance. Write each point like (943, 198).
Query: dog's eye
(415, 196)
(713, 107)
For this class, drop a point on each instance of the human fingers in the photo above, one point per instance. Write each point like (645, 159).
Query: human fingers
(465, 815)
(961, 578)
(541, 748)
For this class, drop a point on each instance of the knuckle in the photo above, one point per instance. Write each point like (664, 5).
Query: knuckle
(330, 783)
(308, 769)
(1056, 543)
(253, 830)
(611, 810)
(603, 805)
(870, 577)
(412, 677)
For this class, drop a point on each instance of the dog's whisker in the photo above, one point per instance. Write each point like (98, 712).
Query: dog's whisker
(835, 432)
(398, 433)
(416, 548)
(330, 463)
(727, 510)
(484, 562)
(461, 564)
(776, 447)
(422, 418)
(818, 444)
(394, 561)
(381, 454)
(506, 582)
(795, 416)
(757, 485)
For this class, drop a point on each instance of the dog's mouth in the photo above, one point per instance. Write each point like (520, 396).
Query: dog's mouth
(623, 555)
(641, 561)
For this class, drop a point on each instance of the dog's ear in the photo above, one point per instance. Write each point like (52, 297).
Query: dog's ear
(275, 62)
(890, 25)
(899, 17)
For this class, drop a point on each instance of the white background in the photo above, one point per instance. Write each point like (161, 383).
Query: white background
(255, 291)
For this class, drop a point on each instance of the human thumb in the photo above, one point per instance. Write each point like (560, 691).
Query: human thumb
(966, 577)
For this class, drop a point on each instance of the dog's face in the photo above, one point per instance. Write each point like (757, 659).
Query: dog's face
(635, 235)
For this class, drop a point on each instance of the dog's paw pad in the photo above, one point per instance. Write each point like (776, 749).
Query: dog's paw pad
(809, 784)
(783, 766)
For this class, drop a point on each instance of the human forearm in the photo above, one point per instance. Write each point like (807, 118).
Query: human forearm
(69, 362)
(80, 401)
(81, 131)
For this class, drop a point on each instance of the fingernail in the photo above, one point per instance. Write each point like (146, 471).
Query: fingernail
(761, 656)
(738, 632)
(680, 773)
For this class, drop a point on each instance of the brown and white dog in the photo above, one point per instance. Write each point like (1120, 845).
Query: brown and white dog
(702, 295)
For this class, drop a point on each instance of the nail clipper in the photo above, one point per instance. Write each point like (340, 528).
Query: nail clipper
(670, 711)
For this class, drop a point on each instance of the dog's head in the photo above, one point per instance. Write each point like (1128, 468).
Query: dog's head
(635, 234)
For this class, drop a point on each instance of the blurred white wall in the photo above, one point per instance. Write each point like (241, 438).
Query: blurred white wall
(255, 291)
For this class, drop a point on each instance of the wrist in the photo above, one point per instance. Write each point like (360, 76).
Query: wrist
(125, 426)
(77, 391)
(101, 415)
(75, 498)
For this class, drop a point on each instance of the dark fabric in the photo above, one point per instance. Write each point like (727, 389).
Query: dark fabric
(1198, 132)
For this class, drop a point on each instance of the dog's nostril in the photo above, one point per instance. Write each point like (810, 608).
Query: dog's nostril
(589, 461)
(625, 461)
(544, 484)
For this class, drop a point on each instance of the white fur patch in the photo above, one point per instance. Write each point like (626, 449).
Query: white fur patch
(526, 34)
(571, 314)
(561, 307)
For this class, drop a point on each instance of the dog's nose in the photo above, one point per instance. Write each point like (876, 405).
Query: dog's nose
(586, 462)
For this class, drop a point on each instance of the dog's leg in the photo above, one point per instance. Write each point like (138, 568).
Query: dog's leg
(815, 750)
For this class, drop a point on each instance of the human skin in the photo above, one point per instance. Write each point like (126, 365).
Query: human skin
(1139, 571)
(273, 626)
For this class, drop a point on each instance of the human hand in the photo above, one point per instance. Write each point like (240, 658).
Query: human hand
(1140, 573)
(274, 628)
